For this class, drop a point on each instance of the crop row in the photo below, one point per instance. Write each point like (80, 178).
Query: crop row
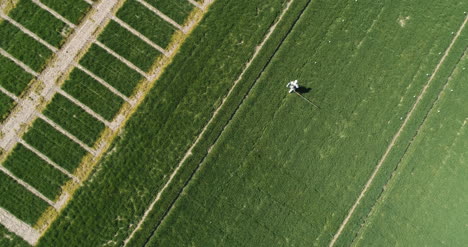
(27, 166)
(19, 201)
(113, 71)
(92, 94)
(12, 77)
(74, 119)
(40, 22)
(73, 11)
(129, 46)
(146, 22)
(23, 47)
(178, 10)
(55, 145)
(6, 103)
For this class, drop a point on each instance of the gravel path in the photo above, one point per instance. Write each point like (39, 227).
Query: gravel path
(64, 61)
(18, 227)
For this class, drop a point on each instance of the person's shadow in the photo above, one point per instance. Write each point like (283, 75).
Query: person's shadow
(303, 90)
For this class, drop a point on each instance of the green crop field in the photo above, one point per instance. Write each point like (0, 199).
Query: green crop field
(129, 46)
(369, 152)
(91, 93)
(425, 201)
(40, 22)
(146, 22)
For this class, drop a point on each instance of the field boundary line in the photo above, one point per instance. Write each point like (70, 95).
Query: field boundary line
(139, 35)
(48, 160)
(28, 32)
(390, 183)
(104, 83)
(19, 227)
(122, 59)
(66, 133)
(27, 186)
(196, 4)
(19, 63)
(9, 94)
(85, 108)
(54, 13)
(396, 136)
(13, 127)
(205, 128)
(162, 15)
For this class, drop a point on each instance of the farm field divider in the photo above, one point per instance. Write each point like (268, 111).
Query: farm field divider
(39, 98)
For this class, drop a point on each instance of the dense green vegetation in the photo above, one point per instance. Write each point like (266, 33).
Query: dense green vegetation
(178, 10)
(19, 201)
(10, 239)
(71, 10)
(12, 77)
(285, 173)
(36, 172)
(146, 22)
(166, 124)
(92, 94)
(109, 68)
(23, 47)
(54, 145)
(40, 22)
(425, 201)
(74, 119)
(6, 103)
(128, 46)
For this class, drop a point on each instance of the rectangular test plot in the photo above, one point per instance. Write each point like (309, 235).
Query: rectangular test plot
(91, 93)
(146, 22)
(19, 201)
(23, 47)
(40, 22)
(74, 120)
(73, 11)
(12, 77)
(109, 68)
(129, 46)
(55, 145)
(6, 103)
(30, 168)
(177, 10)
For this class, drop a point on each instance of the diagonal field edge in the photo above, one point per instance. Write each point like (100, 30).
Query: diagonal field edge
(189, 152)
(395, 137)
(417, 135)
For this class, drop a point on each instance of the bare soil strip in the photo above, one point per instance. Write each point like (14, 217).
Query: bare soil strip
(163, 16)
(89, 2)
(54, 13)
(205, 128)
(18, 227)
(396, 136)
(49, 161)
(84, 107)
(9, 94)
(104, 83)
(28, 32)
(196, 4)
(139, 35)
(66, 133)
(64, 61)
(19, 63)
(122, 59)
(27, 186)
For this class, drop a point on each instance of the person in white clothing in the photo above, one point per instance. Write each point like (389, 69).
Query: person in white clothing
(292, 85)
